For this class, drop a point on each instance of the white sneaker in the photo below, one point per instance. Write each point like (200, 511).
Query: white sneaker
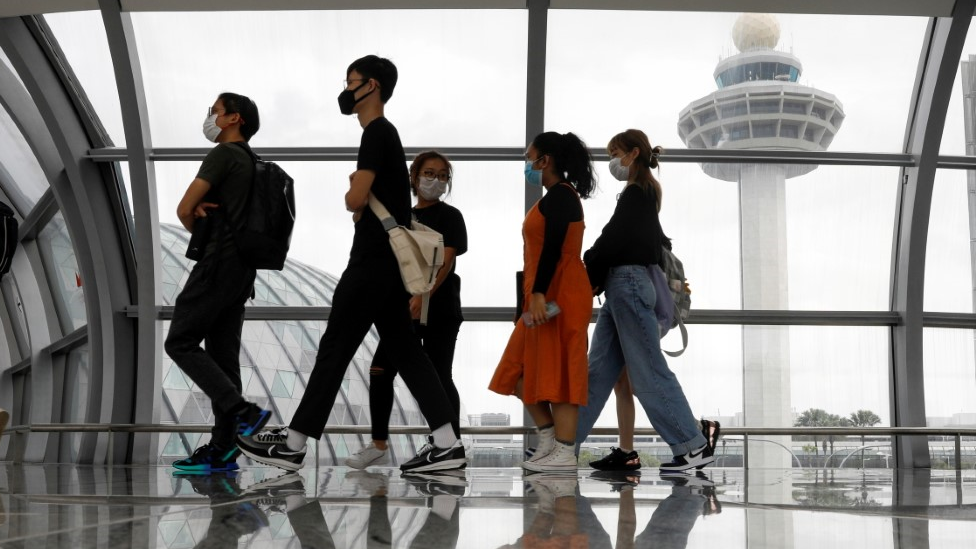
(368, 456)
(562, 458)
(549, 487)
(547, 440)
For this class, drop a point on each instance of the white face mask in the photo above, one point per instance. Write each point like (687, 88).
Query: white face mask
(618, 170)
(210, 128)
(431, 189)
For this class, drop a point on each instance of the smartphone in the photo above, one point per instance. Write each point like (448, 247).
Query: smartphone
(552, 309)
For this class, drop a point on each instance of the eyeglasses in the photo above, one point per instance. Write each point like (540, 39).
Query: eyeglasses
(443, 177)
(345, 83)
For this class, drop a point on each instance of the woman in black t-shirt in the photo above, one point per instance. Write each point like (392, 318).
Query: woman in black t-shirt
(430, 177)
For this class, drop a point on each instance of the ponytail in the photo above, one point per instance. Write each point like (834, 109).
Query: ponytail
(571, 159)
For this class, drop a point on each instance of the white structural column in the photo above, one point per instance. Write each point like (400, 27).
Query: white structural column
(87, 200)
(938, 64)
(765, 349)
(135, 120)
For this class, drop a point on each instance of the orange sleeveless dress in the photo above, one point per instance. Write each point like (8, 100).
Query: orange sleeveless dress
(551, 357)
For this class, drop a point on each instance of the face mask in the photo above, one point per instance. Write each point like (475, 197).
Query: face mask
(532, 177)
(210, 128)
(618, 170)
(347, 99)
(431, 189)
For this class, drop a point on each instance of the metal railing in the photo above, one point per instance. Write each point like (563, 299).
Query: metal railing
(744, 432)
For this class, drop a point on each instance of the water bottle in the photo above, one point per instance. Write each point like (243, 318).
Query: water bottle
(552, 309)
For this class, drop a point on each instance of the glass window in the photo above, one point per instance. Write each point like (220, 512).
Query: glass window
(833, 49)
(77, 374)
(960, 124)
(830, 249)
(452, 91)
(63, 275)
(81, 36)
(949, 269)
(950, 377)
(324, 230)
(20, 174)
(17, 343)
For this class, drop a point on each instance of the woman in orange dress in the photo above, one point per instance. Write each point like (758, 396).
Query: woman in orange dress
(545, 363)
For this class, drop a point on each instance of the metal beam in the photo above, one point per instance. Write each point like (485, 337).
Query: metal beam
(937, 71)
(929, 8)
(135, 121)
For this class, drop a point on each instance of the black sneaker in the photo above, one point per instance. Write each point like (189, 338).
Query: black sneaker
(618, 480)
(695, 459)
(711, 430)
(269, 448)
(432, 458)
(618, 460)
(435, 483)
(680, 478)
(209, 459)
(252, 419)
(279, 494)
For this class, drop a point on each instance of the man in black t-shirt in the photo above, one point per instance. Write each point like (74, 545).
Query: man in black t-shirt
(370, 291)
(211, 306)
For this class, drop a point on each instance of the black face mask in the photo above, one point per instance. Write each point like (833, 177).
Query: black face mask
(347, 99)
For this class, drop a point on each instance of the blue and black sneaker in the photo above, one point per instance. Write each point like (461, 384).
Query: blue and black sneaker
(251, 419)
(210, 459)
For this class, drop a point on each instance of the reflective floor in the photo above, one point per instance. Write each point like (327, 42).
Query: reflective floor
(140, 506)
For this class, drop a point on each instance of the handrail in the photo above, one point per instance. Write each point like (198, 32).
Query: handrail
(486, 430)
(744, 432)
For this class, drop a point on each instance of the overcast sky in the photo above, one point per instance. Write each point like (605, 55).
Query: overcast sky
(462, 83)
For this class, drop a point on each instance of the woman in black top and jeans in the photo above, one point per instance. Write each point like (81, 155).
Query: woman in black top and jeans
(626, 333)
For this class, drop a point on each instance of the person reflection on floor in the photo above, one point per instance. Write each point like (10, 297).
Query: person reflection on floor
(555, 525)
(672, 521)
(286, 494)
(233, 514)
(444, 490)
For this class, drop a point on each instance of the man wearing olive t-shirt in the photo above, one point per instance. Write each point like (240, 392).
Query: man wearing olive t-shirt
(210, 308)
(370, 291)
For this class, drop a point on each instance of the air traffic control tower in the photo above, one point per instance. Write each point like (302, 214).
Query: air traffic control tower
(760, 105)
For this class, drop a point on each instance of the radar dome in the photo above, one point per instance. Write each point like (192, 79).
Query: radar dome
(755, 31)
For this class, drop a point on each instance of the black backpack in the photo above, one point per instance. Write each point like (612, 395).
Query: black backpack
(8, 237)
(269, 216)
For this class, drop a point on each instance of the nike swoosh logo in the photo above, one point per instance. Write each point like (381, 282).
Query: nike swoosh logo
(431, 456)
(285, 452)
(700, 452)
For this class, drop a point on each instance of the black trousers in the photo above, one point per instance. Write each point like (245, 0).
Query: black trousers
(369, 292)
(210, 309)
(439, 341)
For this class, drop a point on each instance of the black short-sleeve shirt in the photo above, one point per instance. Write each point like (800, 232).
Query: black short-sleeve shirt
(381, 152)
(445, 303)
(229, 170)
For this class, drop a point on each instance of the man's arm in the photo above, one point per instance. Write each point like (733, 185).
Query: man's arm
(360, 182)
(192, 204)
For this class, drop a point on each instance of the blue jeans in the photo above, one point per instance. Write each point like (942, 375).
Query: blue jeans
(627, 335)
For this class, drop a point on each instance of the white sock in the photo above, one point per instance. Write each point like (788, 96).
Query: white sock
(296, 440)
(444, 436)
(626, 450)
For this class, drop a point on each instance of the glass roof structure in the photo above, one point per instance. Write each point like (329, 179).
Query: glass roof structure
(825, 215)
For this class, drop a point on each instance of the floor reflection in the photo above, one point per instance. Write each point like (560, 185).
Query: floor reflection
(97, 506)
